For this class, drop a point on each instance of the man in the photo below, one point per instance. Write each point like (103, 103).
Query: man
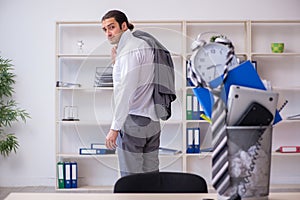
(135, 128)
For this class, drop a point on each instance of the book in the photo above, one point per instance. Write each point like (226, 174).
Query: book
(90, 151)
(167, 151)
(289, 149)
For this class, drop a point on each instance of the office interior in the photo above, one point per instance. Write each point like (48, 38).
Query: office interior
(28, 38)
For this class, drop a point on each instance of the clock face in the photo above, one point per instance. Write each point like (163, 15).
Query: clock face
(208, 61)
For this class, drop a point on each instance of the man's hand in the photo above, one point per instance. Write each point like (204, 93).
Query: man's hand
(111, 139)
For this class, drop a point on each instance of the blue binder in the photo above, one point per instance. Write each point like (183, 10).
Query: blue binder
(74, 171)
(190, 140)
(196, 140)
(67, 171)
(196, 108)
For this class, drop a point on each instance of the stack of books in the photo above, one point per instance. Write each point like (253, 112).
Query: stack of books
(168, 151)
(96, 149)
(103, 77)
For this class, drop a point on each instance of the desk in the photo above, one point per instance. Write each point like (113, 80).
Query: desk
(138, 196)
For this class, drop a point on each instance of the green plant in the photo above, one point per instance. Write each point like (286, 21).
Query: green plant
(9, 111)
(214, 37)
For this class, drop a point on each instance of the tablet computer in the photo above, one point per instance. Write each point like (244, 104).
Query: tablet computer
(240, 98)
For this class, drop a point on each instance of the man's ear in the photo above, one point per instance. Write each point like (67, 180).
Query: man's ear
(124, 26)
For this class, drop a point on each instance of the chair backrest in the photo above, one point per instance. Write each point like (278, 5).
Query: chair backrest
(161, 182)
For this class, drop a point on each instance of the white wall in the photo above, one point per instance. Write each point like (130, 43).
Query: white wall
(27, 36)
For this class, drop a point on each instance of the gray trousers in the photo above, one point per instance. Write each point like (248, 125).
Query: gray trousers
(138, 145)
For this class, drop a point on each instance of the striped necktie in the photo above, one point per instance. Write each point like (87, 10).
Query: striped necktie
(220, 163)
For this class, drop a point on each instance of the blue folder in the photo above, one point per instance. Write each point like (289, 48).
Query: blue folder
(68, 175)
(243, 75)
(74, 174)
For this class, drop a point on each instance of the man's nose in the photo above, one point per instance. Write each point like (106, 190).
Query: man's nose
(108, 33)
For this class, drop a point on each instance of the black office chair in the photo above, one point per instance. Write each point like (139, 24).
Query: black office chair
(161, 182)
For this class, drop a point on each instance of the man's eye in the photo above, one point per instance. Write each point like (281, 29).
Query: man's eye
(111, 27)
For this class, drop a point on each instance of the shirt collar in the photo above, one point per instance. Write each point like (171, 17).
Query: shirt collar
(124, 37)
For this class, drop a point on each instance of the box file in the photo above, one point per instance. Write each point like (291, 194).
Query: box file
(190, 140)
(168, 151)
(74, 172)
(289, 149)
(90, 151)
(193, 140)
(196, 109)
(60, 175)
(68, 175)
(196, 140)
(189, 106)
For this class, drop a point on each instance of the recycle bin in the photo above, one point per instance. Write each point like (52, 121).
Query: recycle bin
(249, 154)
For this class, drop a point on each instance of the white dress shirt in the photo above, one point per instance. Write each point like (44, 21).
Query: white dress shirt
(133, 73)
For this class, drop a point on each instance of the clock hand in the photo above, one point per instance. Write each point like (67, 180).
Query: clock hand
(211, 66)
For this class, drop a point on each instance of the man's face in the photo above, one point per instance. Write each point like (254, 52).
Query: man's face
(112, 30)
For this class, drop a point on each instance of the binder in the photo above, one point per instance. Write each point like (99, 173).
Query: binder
(168, 151)
(68, 175)
(190, 140)
(74, 172)
(90, 151)
(289, 149)
(196, 140)
(189, 106)
(98, 146)
(60, 175)
(205, 98)
(196, 108)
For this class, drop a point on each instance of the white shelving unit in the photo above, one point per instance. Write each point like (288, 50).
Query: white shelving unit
(252, 40)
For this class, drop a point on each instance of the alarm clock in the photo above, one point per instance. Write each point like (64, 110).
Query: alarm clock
(208, 60)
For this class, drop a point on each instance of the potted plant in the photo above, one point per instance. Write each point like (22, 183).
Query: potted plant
(9, 110)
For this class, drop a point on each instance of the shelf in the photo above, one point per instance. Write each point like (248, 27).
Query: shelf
(171, 122)
(88, 123)
(87, 188)
(77, 156)
(287, 88)
(286, 121)
(251, 40)
(199, 155)
(275, 154)
(275, 21)
(84, 123)
(197, 121)
(209, 154)
(86, 89)
(274, 54)
(83, 56)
